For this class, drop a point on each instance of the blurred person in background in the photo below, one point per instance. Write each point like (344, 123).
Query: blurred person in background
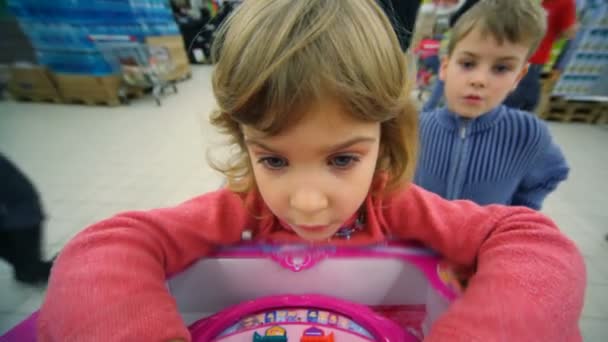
(21, 218)
(436, 96)
(561, 23)
(402, 14)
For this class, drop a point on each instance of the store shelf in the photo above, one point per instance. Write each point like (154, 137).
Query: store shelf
(585, 66)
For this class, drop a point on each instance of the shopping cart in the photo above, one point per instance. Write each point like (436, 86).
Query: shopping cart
(140, 65)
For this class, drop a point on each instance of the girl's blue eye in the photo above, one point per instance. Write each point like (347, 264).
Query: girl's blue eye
(273, 163)
(343, 161)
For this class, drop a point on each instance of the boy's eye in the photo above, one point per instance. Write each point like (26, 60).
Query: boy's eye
(501, 68)
(342, 161)
(273, 163)
(467, 64)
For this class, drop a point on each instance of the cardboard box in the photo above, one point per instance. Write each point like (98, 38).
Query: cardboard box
(177, 53)
(175, 45)
(547, 81)
(32, 82)
(90, 89)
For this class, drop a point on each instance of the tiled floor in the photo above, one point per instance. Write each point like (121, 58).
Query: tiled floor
(90, 162)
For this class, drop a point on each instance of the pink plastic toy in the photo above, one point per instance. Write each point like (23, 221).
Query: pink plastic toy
(390, 292)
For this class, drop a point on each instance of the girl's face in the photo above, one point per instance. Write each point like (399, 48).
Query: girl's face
(316, 174)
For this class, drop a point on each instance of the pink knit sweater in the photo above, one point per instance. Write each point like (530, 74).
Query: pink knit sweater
(108, 284)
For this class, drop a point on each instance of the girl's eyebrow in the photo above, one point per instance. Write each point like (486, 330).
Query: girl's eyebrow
(255, 142)
(351, 142)
(337, 147)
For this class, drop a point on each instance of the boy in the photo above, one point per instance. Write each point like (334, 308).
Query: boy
(475, 148)
(561, 23)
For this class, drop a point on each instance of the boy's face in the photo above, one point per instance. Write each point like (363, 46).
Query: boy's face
(480, 73)
(316, 174)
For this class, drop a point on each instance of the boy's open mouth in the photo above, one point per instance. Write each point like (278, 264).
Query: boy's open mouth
(472, 99)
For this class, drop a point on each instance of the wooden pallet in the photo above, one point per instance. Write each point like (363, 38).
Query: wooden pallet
(37, 98)
(132, 93)
(602, 119)
(561, 110)
(96, 90)
(87, 101)
(84, 99)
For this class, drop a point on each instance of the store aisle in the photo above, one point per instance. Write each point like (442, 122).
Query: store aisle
(91, 162)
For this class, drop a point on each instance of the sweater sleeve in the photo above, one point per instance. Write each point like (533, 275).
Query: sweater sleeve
(529, 279)
(108, 283)
(549, 169)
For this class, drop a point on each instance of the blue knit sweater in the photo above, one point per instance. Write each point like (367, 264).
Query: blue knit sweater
(505, 156)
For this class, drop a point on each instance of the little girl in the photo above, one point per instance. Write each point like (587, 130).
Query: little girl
(315, 96)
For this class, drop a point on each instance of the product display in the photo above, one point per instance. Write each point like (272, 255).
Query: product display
(60, 30)
(585, 65)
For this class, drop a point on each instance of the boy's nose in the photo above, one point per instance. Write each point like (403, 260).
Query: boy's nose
(478, 79)
(308, 201)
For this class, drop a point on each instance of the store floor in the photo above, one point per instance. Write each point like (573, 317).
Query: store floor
(91, 162)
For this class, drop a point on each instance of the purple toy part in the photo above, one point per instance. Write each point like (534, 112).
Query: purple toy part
(22, 332)
(314, 331)
(381, 328)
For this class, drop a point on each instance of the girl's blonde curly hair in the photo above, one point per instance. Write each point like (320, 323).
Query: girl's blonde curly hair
(275, 58)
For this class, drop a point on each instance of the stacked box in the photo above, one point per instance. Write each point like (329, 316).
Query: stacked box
(585, 65)
(90, 89)
(177, 53)
(60, 29)
(33, 83)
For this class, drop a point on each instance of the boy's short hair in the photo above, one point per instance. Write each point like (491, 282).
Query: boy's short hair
(276, 58)
(516, 21)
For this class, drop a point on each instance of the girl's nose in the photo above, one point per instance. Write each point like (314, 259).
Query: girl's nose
(308, 201)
